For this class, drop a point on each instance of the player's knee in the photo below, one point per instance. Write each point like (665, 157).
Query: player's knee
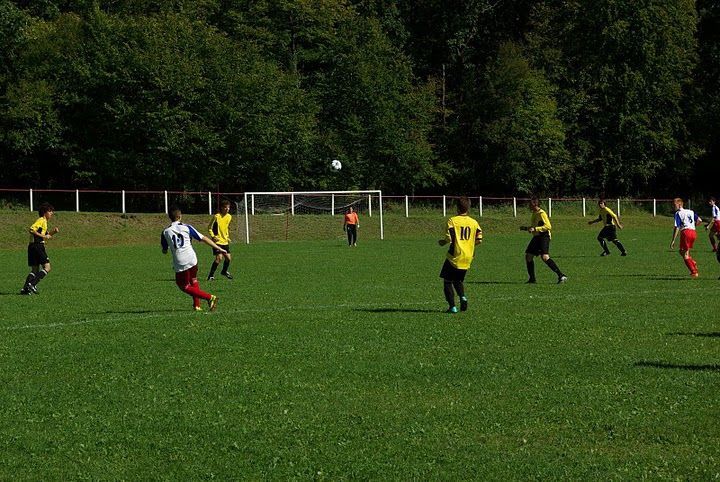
(228, 257)
(47, 268)
(545, 257)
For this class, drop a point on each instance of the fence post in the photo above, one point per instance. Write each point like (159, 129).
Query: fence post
(514, 207)
(382, 229)
(407, 207)
(370, 205)
(31, 200)
(252, 204)
(77, 200)
(618, 203)
(549, 207)
(333, 204)
(444, 207)
(166, 203)
(480, 206)
(654, 207)
(210, 203)
(583, 207)
(247, 221)
(292, 204)
(123, 201)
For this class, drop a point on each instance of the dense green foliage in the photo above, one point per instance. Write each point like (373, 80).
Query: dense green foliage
(324, 362)
(617, 97)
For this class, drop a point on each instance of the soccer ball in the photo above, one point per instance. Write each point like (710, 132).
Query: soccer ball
(336, 165)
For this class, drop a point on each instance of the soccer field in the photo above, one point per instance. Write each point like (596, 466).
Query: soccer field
(328, 362)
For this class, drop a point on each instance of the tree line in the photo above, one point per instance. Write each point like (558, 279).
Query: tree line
(614, 97)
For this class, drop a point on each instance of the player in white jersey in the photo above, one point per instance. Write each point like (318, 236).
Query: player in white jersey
(685, 221)
(714, 226)
(178, 239)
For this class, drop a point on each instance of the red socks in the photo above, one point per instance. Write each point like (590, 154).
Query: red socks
(691, 265)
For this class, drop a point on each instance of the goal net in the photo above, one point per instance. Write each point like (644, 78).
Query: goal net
(291, 216)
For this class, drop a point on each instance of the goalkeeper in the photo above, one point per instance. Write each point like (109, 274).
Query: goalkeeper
(351, 225)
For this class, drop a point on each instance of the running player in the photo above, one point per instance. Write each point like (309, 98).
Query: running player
(609, 231)
(463, 233)
(219, 230)
(685, 222)
(714, 227)
(178, 238)
(37, 257)
(539, 245)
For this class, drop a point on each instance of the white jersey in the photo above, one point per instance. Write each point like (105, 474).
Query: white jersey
(716, 213)
(685, 219)
(178, 238)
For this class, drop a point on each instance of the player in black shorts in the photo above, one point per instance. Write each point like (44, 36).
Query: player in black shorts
(37, 257)
(539, 245)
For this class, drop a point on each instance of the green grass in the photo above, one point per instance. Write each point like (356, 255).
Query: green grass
(329, 362)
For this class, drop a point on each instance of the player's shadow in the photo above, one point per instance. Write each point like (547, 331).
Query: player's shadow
(669, 278)
(491, 282)
(396, 310)
(678, 366)
(135, 312)
(712, 334)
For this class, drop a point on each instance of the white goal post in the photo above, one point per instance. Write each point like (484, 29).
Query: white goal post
(305, 208)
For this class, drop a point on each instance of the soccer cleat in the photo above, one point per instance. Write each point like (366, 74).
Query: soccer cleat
(197, 308)
(212, 302)
(227, 275)
(33, 289)
(624, 253)
(562, 279)
(211, 278)
(695, 275)
(463, 303)
(452, 310)
(605, 253)
(25, 292)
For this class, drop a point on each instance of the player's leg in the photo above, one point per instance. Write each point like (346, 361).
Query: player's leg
(447, 273)
(554, 267)
(39, 275)
(348, 230)
(530, 265)
(603, 243)
(715, 235)
(354, 234)
(216, 262)
(620, 246)
(459, 286)
(687, 240)
(226, 264)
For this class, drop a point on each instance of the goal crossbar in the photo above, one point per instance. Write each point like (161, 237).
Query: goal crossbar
(249, 198)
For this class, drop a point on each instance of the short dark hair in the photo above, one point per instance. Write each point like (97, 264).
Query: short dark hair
(601, 200)
(174, 213)
(712, 198)
(463, 204)
(535, 200)
(44, 208)
(224, 202)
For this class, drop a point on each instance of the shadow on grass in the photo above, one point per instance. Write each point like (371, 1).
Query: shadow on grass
(135, 312)
(714, 334)
(675, 366)
(495, 282)
(397, 310)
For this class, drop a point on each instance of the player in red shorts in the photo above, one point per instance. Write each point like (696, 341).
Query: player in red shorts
(685, 222)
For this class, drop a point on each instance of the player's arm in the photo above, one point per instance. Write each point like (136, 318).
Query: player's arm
(213, 227)
(163, 243)
(545, 227)
(478, 236)
(674, 236)
(210, 242)
(447, 238)
(596, 220)
(615, 219)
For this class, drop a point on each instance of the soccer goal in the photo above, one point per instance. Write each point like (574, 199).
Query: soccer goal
(307, 215)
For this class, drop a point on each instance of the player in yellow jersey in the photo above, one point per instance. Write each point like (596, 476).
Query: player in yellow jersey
(219, 230)
(37, 257)
(539, 245)
(463, 233)
(609, 231)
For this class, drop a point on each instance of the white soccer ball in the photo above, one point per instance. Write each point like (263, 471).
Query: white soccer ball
(336, 165)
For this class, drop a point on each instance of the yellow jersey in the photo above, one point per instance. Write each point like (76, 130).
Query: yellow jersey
(608, 216)
(219, 229)
(462, 233)
(541, 222)
(40, 227)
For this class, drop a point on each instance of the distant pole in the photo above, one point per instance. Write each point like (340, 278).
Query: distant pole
(480, 206)
(31, 200)
(549, 207)
(514, 207)
(247, 221)
(407, 207)
(210, 203)
(123, 201)
(618, 203)
(77, 200)
(332, 205)
(382, 229)
(654, 207)
(444, 207)
(166, 202)
(370, 205)
(252, 202)
(292, 204)
(583, 207)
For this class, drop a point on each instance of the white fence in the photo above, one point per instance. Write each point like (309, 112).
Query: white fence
(199, 202)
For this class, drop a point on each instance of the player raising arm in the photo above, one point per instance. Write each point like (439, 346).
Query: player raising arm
(178, 239)
(685, 222)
